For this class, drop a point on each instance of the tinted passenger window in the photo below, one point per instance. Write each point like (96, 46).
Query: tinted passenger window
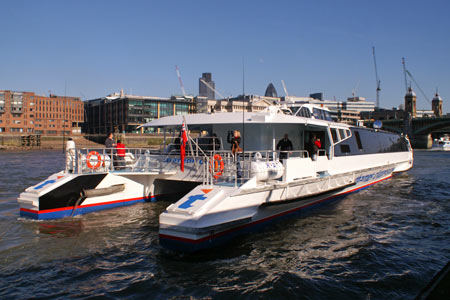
(342, 133)
(358, 140)
(345, 148)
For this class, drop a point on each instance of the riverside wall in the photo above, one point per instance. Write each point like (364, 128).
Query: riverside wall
(32, 142)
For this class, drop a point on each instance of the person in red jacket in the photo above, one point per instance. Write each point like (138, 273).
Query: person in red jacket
(120, 155)
(318, 143)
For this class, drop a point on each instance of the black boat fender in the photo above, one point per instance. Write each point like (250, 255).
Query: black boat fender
(84, 194)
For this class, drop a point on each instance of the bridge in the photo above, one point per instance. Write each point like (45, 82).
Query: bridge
(420, 130)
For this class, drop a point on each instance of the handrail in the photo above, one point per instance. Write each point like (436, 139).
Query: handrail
(237, 168)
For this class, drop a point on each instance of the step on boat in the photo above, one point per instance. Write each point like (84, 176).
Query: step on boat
(241, 191)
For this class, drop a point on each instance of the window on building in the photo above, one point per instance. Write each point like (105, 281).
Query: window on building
(165, 109)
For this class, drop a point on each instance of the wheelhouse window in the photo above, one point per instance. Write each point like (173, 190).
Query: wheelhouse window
(304, 112)
(334, 135)
(342, 133)
(317, 113)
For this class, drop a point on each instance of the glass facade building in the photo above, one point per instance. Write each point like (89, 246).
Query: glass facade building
(125, 113)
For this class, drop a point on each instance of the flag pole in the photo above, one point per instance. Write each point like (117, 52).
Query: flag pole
(189, 140)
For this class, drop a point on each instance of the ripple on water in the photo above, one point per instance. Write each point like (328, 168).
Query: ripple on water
(381, 243)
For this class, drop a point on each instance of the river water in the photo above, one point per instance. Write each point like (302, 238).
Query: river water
(385, 242)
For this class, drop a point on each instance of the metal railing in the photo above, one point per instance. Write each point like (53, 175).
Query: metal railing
(209, 166)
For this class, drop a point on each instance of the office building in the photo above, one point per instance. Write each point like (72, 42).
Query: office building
(123, 113)
(206, 86)
(29, 113)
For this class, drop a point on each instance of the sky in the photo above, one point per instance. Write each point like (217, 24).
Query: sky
(94, 48)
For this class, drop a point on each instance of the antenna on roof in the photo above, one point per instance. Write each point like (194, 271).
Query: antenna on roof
(354, 90)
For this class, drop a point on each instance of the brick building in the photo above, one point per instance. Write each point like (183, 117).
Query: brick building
(29, 113)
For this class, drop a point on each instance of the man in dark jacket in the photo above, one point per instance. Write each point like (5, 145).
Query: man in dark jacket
(284, 145)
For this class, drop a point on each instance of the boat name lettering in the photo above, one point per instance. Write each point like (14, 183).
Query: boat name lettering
(373, 176)
(178, 160)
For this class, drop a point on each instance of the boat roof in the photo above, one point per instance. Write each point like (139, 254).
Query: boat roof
(238, 118)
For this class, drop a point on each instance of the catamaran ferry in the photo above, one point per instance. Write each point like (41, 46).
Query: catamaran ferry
(441, 144)
(225, 183)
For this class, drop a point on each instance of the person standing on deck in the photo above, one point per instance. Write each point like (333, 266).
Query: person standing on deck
(120, 155)
(312, 148)
(70, 155)
(234, 138)
(284, 145)
(110, 144)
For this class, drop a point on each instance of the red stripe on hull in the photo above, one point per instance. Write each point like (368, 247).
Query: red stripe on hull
(82, 206)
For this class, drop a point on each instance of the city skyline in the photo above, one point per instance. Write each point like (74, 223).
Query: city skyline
(92, 49)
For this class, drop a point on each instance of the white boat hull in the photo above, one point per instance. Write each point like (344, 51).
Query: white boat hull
(211, 215)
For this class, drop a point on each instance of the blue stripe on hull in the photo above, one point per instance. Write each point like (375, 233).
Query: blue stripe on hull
(80, 210)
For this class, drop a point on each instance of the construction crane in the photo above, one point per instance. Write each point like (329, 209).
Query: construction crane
(211, 88)
(285, 89)
(181, 82)
(404, 73)
(415, 82)
(376, 78)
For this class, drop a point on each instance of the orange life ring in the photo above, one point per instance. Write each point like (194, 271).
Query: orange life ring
(88, 160)
(216, 166)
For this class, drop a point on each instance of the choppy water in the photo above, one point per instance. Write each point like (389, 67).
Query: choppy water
(385, 242)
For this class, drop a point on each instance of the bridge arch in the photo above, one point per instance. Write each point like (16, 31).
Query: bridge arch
(429, 127)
